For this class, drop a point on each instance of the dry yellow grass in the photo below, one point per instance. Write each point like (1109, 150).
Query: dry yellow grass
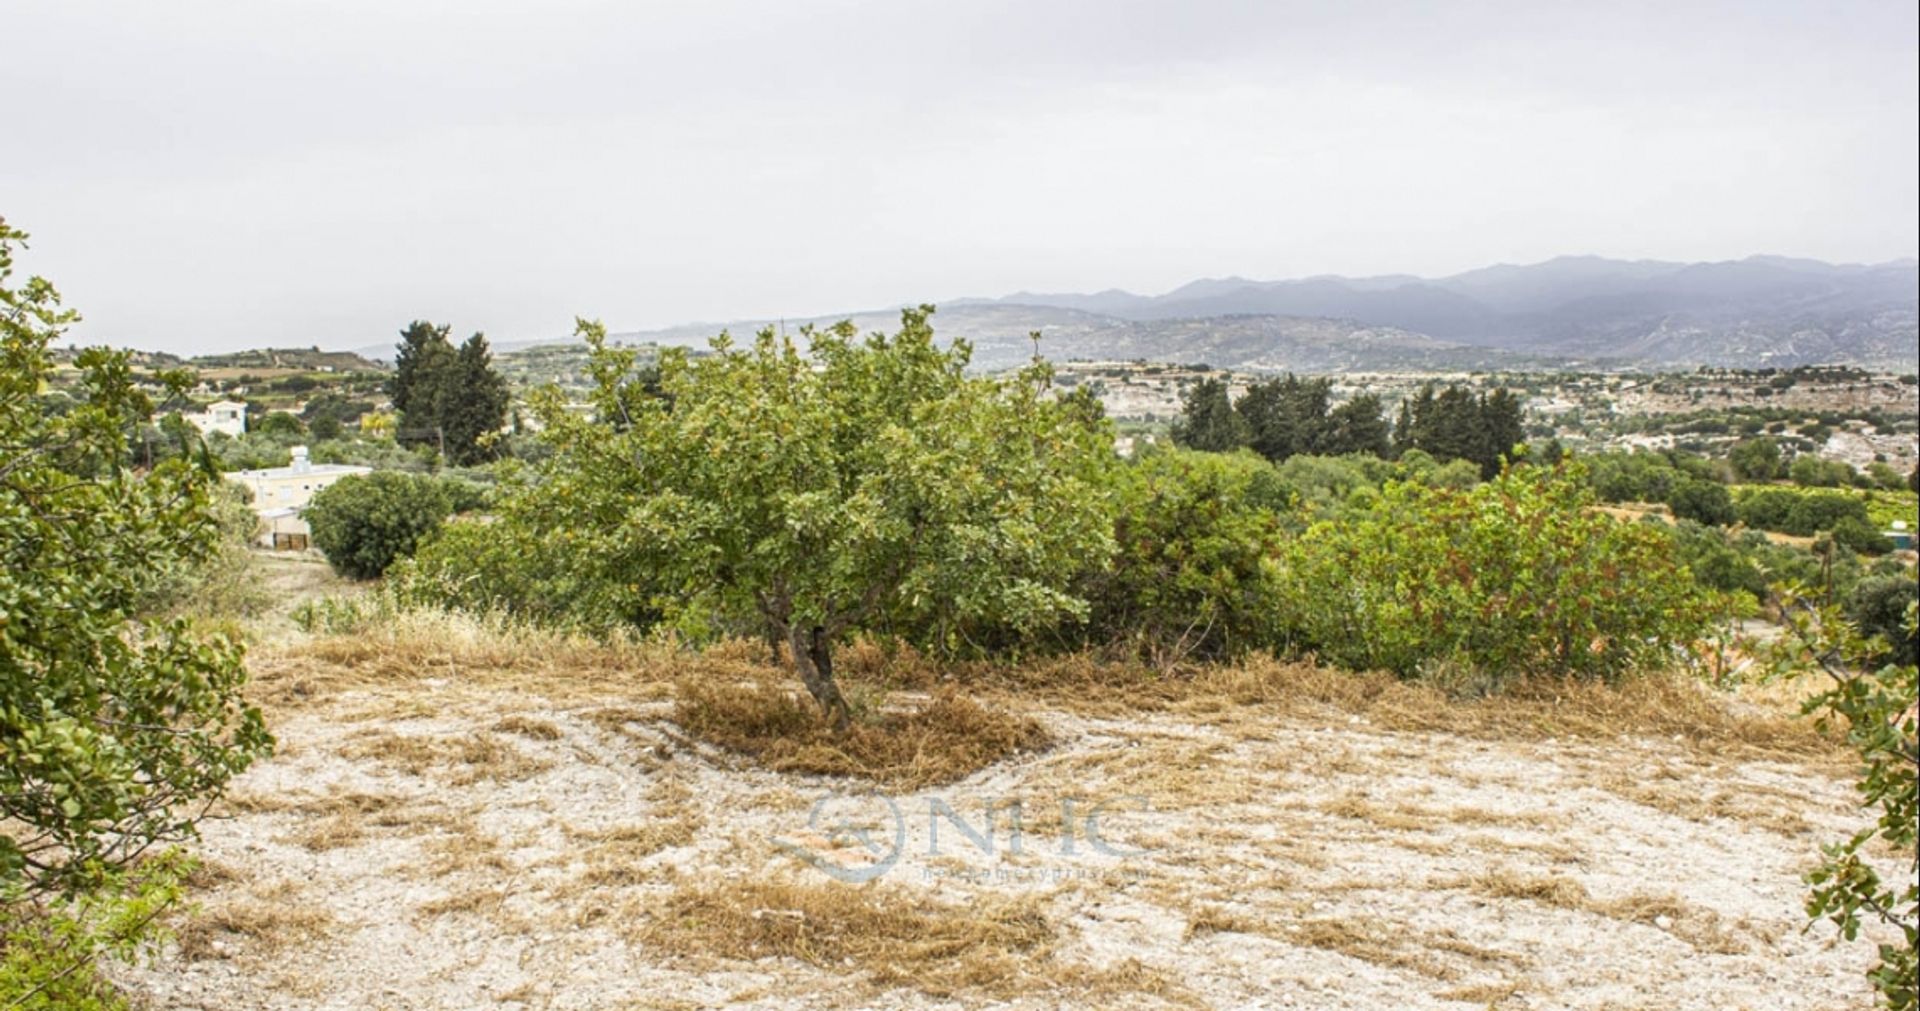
(612, 857)
(1750, 804)
(529, 726)
(266, 921)
(1309, 839)
(894, 938)
(1702, 928)
(489, 653)
(1422, 952)
(465, 758)
(943, 741)
(1670, 706)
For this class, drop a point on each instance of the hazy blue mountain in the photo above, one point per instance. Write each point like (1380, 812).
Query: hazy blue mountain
(1760, 310)
(1001, 336)
(1568, 311)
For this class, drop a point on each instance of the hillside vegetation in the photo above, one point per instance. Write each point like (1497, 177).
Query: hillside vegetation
(824, 669)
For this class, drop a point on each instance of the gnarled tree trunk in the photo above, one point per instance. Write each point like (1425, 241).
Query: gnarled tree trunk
(813, 660)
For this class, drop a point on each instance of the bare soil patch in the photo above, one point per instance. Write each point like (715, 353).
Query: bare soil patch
(458, 822)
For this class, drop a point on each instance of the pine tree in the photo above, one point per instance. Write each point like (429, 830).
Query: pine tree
(447, 398)
(1452, 429)
(1306, 402)
(1404, 425)
(1358, 426)
(1501, 430)
(477, 404)
(1262, 408)
(1208, 420)
(1287, 417)
(420, 341)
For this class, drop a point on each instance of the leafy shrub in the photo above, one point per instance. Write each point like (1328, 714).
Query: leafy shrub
(115, 729)
(1874, 705)
(1884, 477)
(1818, 511)
(1516, 576)
(49, 950)
(1324, 484)
(1718, 564)
(1855, 533)
(363, 522)
(1705, 502)
(1801, 513)
(514, 564)
(1194, 573)
(1878, 605)
(280, 423)
(1766, 508)
(1632, 477)
(216, 583)
(1811, 471)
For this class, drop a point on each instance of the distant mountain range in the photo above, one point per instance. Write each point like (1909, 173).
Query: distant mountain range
(1764, 310)
(1573, 311)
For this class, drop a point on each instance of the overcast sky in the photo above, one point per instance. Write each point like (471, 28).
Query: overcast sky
(205, 176)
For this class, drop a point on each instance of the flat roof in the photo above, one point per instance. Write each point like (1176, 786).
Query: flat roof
(312, 468)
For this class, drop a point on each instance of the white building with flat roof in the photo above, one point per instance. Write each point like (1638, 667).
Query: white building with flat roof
(279, 493)
(228, 416)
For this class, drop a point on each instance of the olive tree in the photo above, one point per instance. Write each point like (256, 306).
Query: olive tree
(115, 728)
(863, 483)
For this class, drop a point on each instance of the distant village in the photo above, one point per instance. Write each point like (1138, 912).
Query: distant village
(289, 423)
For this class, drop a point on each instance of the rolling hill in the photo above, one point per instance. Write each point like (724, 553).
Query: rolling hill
(1572, 311)
(1763, 310)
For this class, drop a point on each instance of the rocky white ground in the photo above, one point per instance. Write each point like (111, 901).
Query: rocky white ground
(446, 841)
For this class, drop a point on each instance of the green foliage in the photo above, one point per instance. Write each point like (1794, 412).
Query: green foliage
(279, 423)
(451, 399)
(114, 730)
(1878, 606)
(869, 484)
(329, 415)
(1454, 424)
(1516, 576)
(520, 565)
(1359, 426)
(1208, 421)
(1194, 574)
(1756, 459)
(1324, 484)
(420, 343)
(1287, 417)
(1856, 534)
(473, 404)
(1675, 478)
(1718, 561)
(49, 950)
(1702, 502)
(1810, 471)
(1799, 512)
(364, 522)
(1766, 508)
(215, 584)
(1884, 477)
(1281, 419)
(1876, 709)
